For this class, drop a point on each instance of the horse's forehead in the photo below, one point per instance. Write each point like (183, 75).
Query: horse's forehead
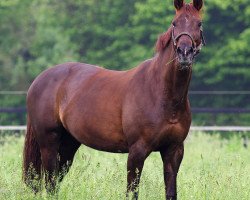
(186, 17)
(188, 11)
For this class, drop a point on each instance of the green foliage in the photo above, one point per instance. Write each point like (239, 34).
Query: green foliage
(118, 35)
(212, 168)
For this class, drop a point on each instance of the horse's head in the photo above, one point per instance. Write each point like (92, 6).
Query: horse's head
(186, 31)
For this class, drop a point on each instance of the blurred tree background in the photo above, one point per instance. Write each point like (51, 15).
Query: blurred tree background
(118, 34)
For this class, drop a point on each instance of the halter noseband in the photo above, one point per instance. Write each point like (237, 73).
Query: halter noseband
(197, 49)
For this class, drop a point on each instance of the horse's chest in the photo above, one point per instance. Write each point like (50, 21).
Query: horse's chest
(170, 132)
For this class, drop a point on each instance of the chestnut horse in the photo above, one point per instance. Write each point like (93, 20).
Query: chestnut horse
(138, 111)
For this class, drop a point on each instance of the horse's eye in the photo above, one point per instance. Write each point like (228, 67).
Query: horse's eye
(200, 24)
(173, 23)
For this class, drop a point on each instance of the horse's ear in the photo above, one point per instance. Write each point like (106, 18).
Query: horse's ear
(178, 4)
(198, 4)
(163, 40)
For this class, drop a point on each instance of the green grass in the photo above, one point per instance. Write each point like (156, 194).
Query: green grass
(213, 168)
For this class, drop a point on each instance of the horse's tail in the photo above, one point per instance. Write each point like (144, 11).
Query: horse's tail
(32, 164)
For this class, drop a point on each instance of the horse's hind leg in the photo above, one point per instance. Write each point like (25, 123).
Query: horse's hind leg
(49, 148)
(67, 150)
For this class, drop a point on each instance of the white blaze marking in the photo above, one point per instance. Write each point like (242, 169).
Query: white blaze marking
(185, 51)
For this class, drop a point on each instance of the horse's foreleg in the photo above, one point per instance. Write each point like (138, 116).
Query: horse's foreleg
(171, 157)
(137, 155)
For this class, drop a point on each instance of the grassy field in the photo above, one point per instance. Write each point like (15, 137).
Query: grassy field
(213, 168)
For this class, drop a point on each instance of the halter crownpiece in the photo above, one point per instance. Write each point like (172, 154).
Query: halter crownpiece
(197, 49)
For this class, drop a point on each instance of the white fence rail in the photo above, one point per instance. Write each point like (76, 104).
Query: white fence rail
(193, 128)
(12, 128)
(221, 128)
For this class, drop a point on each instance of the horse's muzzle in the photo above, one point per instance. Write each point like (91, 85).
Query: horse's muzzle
(185, 55)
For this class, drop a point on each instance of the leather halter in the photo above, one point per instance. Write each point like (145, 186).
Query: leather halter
(197, 49)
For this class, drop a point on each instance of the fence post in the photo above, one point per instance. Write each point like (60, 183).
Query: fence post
(245, 140)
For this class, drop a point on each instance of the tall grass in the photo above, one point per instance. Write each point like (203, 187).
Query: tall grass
(213, 168)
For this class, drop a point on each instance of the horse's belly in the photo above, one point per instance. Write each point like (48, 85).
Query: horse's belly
(103, 141)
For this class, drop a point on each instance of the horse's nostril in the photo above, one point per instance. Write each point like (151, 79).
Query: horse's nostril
(179, 51)
(191, 50)
(185, 51)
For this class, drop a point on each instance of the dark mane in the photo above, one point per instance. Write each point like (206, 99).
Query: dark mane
(163, 40)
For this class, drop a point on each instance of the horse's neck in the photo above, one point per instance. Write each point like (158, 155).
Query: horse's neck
(174, 82)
